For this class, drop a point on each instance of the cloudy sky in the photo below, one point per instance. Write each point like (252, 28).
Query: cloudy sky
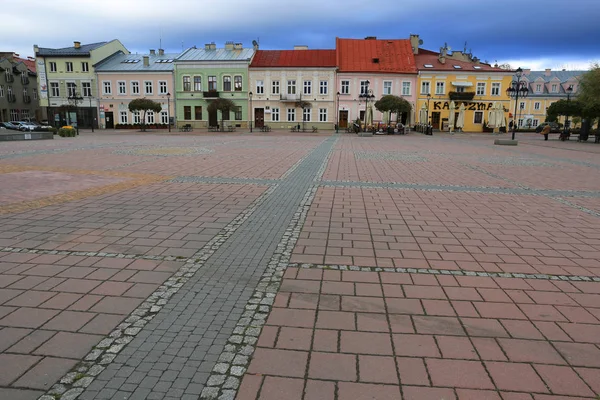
(533, 34)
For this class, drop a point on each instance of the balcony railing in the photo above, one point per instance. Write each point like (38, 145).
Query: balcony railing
(461, 95)
(9, 78)
(290, 97)
(211, 94)
(26, 99)
(11, 98)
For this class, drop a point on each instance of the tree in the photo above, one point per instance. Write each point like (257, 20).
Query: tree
(144, 105)
(564, 107)
(589, 93)
(303, 104)
(223, 105)
(393, 104)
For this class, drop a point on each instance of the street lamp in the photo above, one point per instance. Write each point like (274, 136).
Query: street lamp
(75, 98)
(169, 110)
(250, 113)
(92, 111)
(367, 94)
(428, 98)
(517, 88)
(337, 114)
(569, 90)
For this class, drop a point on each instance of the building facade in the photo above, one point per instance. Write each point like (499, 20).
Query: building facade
(463, 79)
(202, 75)
(282, 81)
(379, 66)
(18, 89)
(122, 78)
(67, 81)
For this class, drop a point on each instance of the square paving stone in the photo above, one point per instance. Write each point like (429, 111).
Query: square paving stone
(69, 345)
(13, 366)
(45, 373)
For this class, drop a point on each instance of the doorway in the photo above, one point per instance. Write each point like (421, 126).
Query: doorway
(435, 120)
(212, 117)
(343, 119)
(110, 123)
(259, 117)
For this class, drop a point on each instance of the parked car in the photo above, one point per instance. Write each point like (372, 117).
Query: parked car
(554, 127)
(9, 125)
(27, 126)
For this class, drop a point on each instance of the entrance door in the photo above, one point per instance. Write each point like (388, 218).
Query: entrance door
(343, 118)
(259, 117)
(435, 120)
(108, 117)
(455, 119)
(212, 118)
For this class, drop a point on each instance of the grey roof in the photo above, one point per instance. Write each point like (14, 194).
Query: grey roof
(193, 54)
(135, 62)
(84, 50)
(563, 77)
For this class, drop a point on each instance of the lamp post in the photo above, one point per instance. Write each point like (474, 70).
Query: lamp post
(569, 90)
(517, 88)
(76, 99)
(428, 99)
(92, 111)
(337, 113)
(367, 94)
(169, 110)
(250, 113)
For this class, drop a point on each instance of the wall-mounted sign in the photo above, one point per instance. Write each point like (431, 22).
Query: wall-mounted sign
(438, 105)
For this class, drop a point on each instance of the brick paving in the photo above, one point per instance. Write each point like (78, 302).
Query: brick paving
(270, 266)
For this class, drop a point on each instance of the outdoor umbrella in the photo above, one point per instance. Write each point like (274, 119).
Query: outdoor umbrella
(369, 116)
(501, 116)
(493, 116)
(451, 116)
(460, 122)
(423, 114)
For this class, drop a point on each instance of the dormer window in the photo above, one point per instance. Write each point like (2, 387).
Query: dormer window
(554, 88)
(477, 66)
(428, 66)
(376, 61)
(538, 88)
(457, 67)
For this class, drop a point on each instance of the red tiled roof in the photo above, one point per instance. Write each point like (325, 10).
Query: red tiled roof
(431, 58)
(375, 55)
(30, 64)
(293, 58)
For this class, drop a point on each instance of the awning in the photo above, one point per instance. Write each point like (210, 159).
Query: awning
(462, 84)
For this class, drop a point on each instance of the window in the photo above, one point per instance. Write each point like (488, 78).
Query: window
(478, 117)
(536, 122)
(71, 89)
(495, 89)
(136, 117)
(260, 87)
(24, 114)
(52, 66)
(521, 122)
(212, 83)
(306, 114)
(425, 87)
(162, 87)
(237, 83)
(275, 87)
(238, 113)
(460, 89)
(147, 87)
(1, 91)
(345, 87)
(198, 113)
(522, 105)
(405, 88)
(363, 87)
(275, 114)
(227, 83)
(554, 88)
(35, 94)
(440, 87)
(25, 92)
(87, 89)
(150, 117)
(85, 67)
(69, 65)
(122, 88)
(536, 105)
(387, 87)
(54, 89)
(135, 87)
(122, 117)
(291, 89)
(164, 117)
(323, 87)
(480, 91)
(9, 90)
(186, 84)
(322, 115)
(225, 115)
(538, 88)
(187, 112)
(197, 83)
(14, 115)
(106, 88)
(291, 114)
(307, 87)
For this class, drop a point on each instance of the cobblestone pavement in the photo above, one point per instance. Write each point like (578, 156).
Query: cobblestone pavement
(291, 266)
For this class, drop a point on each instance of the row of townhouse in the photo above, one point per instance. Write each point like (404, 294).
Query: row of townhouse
(266, 85)
(18, 89)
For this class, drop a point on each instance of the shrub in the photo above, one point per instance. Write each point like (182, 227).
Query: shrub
(67, 131)
(53, 130)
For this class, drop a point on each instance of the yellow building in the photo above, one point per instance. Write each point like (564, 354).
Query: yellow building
(458, 77)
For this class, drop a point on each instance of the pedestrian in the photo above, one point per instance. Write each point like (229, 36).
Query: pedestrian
(510, 125)
(545, 131)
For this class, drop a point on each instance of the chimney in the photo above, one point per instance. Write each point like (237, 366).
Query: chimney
(548, 72)
(300, 47)
(35, 49)
(415, 42)
(152, 52)
(228, 45)
(77, 45)
(207, 46)
(371, 38)
(146, 61)
(238, 46)
(442, 55)
(213, 46)
(161, 52)
(526, 71)
(255, 45)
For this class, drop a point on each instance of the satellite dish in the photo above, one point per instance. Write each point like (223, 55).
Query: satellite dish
(420, 42)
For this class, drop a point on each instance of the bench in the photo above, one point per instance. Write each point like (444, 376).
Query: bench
(186, 128)
(213, 128)
(266, 128)
(231, 128)
(293, 129)
(314, 129)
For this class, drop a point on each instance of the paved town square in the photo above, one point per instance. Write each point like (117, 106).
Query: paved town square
(291, 266)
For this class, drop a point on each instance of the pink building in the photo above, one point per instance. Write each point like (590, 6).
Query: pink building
(376, 66)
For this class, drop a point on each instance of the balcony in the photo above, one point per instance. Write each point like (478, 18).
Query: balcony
(461, 95)
(26, 99)
(11, 98)
(211, 94)
(9, 78)
(290, 97)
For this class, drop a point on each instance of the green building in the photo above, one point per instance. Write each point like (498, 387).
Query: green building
(202, 75)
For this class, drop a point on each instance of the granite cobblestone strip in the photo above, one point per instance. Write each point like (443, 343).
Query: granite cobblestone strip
(208, 179)
(75, 382)
(581, 208)
(434, 271)
(174, 353)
